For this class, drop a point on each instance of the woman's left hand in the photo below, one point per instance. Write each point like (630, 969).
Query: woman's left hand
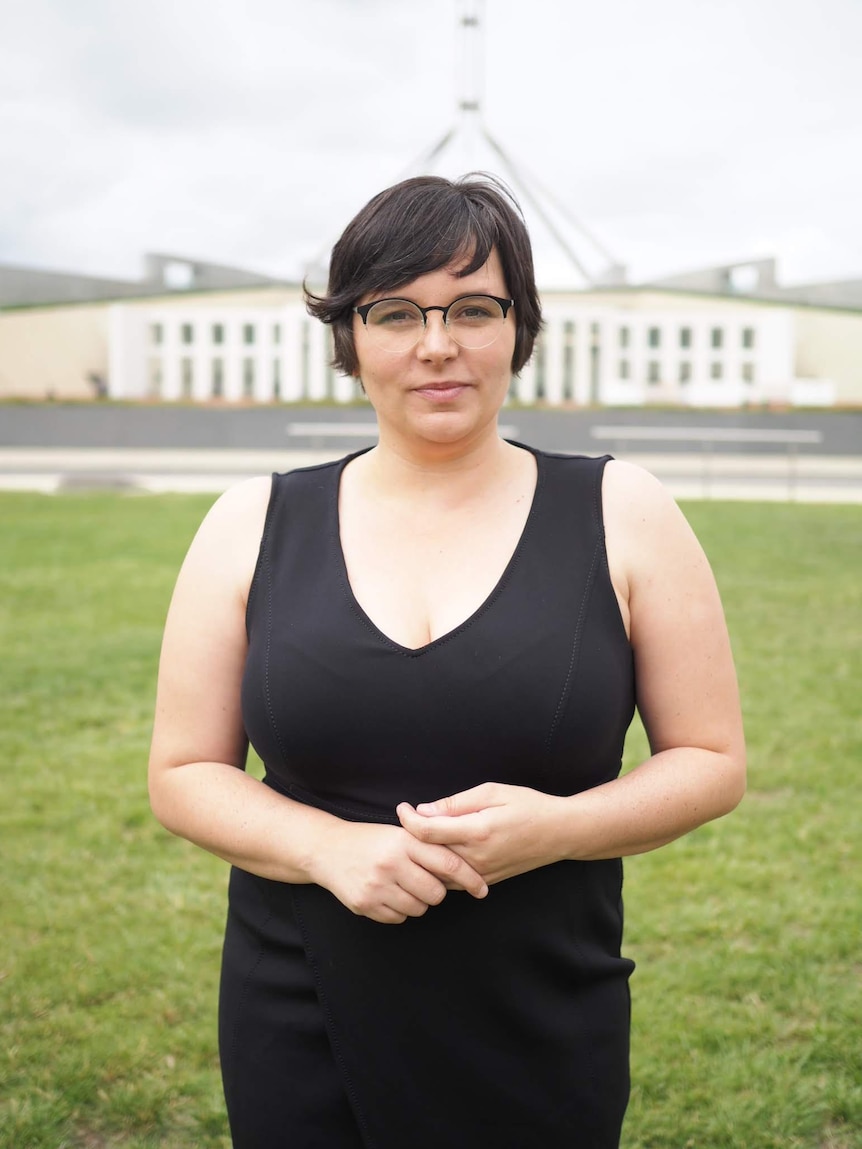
(500, 830)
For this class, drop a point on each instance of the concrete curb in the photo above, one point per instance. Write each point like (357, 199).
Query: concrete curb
(695, 475)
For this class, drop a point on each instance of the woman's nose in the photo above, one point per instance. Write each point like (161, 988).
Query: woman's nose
(436, 340)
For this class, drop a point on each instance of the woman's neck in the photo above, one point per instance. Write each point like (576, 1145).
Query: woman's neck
(438, 471)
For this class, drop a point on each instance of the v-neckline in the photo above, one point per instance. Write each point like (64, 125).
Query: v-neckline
(489, 599)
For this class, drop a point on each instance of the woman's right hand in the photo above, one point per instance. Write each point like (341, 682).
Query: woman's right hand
(384, 873)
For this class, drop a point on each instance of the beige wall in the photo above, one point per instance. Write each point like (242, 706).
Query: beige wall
(50, 351)
(829, 346)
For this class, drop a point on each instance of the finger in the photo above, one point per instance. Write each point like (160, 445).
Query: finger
(464, 802)
(405, 902)
(452, 870)
(442, 830)
(424, 885)
(386, 916)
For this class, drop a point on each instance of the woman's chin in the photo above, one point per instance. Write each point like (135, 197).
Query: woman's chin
(446, 427)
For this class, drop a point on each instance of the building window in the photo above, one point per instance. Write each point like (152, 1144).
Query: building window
(748, 372)
(276, 378)
(684, 371)
(218, 333)
(568, 359)
(748, 338)
(716, 370)
(654, 337)
(685, 337)
(218, 379)
(539, 375)
(187, 333)
(305, 361)
(187, 377)
(155, 380)
(624, 369)
(248, 334)
(624, 336)
(276, 333)
(653, 371)
(157, 334)
(248, 378)
(716, 337)
(568, 372)
(178, 276)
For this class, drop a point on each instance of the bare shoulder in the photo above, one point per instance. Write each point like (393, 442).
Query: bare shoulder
(226, 545)
(242, 505)
(642, 520)
(633, 493)
(652, 551)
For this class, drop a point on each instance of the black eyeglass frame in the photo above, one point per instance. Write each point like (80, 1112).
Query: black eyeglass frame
(504, 305)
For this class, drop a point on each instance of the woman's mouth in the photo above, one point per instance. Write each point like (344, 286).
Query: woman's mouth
(442, 392)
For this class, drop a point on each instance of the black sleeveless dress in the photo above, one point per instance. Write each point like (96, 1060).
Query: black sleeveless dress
(502, 1022)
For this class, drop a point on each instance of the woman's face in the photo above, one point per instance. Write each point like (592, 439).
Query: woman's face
(439, 391)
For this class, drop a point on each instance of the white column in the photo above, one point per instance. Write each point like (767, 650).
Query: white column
(700, 359)
(201, 358)
(639, 353)
(292, 319)
(265, 349)
(525, 384)
(126, 369)
(553, 340)
(232, 354)
(607, 350)
(582, 358)
(317, 366)
(344, 388)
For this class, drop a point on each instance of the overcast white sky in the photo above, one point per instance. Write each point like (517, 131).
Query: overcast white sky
(683, 132)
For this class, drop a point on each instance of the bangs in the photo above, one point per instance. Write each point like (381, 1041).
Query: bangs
(451, 234)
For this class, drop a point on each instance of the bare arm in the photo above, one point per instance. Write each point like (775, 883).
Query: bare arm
(198, 787)
(686, 684)
(686, 694)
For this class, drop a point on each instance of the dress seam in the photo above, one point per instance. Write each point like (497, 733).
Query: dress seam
(246, 982)
(334, 1042)
(576, 648)
(267, 689)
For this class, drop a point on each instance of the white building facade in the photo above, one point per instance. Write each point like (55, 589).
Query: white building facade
(588, 354)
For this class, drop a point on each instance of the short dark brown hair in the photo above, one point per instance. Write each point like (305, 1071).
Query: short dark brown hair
(418, 226)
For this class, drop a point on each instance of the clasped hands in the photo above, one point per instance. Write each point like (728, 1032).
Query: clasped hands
(467, 841)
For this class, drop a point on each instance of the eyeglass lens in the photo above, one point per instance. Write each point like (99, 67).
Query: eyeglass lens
(473, 322)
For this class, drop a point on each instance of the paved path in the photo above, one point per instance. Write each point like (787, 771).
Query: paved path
(281, 428)
(688, 475)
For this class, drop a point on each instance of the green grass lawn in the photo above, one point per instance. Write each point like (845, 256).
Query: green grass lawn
(747, 998)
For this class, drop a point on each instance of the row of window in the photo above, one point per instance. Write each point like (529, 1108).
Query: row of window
(216, 378)
(189, 334)
(718, 337)
(684, 371)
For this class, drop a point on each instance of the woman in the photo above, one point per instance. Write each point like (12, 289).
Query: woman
(436, 646)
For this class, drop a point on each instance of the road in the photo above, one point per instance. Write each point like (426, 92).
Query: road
(809, 456)
(276, 428)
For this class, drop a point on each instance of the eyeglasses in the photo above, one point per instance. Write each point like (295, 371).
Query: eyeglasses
(473, 321)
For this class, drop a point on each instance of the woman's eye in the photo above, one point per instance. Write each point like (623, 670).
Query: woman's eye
(393, 316)
(474, 311)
